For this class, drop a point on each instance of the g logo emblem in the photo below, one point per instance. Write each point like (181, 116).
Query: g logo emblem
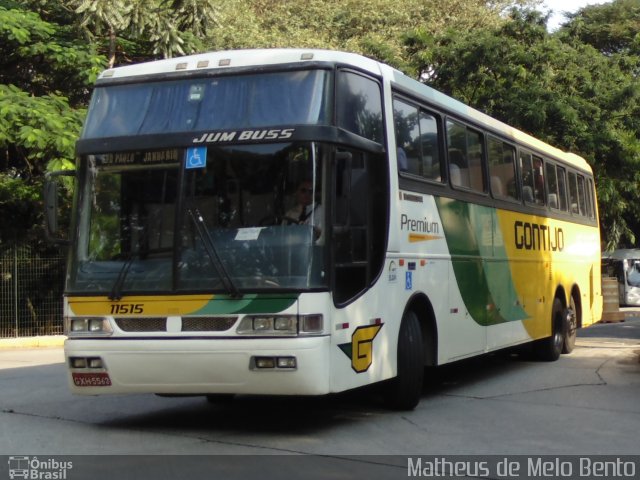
(360, 350)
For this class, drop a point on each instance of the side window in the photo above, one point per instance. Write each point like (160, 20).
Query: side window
(407, 136)
(430, 146)
(465, 151)
(582, 204)
(573, 193)
(562, 189)
(532, 179)
(359, 105)
(417, 141)
(538, 181)
(590, 199)
(502, 169)
(552, 186)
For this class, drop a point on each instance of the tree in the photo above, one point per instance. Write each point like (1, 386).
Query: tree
(169, 27)
(612, 28)
(44, 82)
(568, 94)
(371, 27)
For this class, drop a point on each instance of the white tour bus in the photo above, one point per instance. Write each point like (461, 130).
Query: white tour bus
(301, 222)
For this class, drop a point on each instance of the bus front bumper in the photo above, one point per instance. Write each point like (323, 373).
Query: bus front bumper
(199, 366)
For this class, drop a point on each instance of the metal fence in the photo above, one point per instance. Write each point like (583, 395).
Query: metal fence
(31, 285)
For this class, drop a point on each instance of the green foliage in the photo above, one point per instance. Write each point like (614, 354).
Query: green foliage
(371, 27)
(38, 57)
(157, 27)
(20, 208)
(612, 28)
(41, 129)
(45, 75)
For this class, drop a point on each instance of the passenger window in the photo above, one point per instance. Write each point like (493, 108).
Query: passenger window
(532, 179)
(590, 200)
(562, 189)
(465, 150)
(407, 136)
(573, 194)
(552, 186)
(582, 205)
(359, 106)
(502, 170)
(417, 143)
(430, 150)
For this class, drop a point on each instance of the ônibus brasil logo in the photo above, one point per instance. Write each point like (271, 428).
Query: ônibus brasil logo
(36, 469)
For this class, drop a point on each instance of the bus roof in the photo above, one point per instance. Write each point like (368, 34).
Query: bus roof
(243, 58)
(261, 57)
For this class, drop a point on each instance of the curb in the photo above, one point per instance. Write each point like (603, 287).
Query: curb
(33, 342)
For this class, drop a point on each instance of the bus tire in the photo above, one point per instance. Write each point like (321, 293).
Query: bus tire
(549, 349)
(570, 316)
(404, 391)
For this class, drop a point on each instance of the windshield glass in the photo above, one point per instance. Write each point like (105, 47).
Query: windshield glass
(248, 218)
(261, 212)
(219, 103)
(125, 229)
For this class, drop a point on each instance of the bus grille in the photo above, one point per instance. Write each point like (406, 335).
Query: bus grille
(189, 324)
(207, 324)
(142, 324)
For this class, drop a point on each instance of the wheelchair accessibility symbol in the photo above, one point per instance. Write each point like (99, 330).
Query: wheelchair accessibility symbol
(196, 157)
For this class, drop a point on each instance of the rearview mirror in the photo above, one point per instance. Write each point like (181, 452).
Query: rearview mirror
(50, 197)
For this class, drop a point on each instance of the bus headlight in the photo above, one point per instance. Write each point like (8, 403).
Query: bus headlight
(281, 325)
(87, 326)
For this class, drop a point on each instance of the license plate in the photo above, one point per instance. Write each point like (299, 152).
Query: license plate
(98, 379)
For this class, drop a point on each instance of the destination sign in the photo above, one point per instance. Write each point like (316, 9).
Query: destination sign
(139, 158)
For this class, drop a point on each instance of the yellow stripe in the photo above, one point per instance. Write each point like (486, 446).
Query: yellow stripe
(417, 237)
(139, 305)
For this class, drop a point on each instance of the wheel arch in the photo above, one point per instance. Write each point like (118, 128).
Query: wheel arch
(562, 295)
(421, 305)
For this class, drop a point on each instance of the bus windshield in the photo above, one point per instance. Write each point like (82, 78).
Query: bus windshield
(250, 218)
(220, 103)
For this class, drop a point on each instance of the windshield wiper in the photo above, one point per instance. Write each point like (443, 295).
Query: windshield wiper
(209, 246)
(116, 290)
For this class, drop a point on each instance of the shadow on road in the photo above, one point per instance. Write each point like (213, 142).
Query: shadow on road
(629, 329)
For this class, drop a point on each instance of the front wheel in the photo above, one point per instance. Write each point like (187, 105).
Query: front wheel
(404, 391)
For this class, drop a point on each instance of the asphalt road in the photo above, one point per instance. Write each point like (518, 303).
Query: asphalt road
(500, 405)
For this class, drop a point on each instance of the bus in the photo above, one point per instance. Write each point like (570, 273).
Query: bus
(624, 264)
(431, 232)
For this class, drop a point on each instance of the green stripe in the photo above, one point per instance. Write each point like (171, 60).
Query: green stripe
(255, 303)
(480, 262)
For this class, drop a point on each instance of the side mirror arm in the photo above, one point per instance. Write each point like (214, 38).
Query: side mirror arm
(50, 197)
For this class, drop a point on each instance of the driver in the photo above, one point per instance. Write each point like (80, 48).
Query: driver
(306, 211)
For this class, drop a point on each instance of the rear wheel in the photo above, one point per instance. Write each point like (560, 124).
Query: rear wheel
(404, 391)
(571, 326)
(549, 349)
